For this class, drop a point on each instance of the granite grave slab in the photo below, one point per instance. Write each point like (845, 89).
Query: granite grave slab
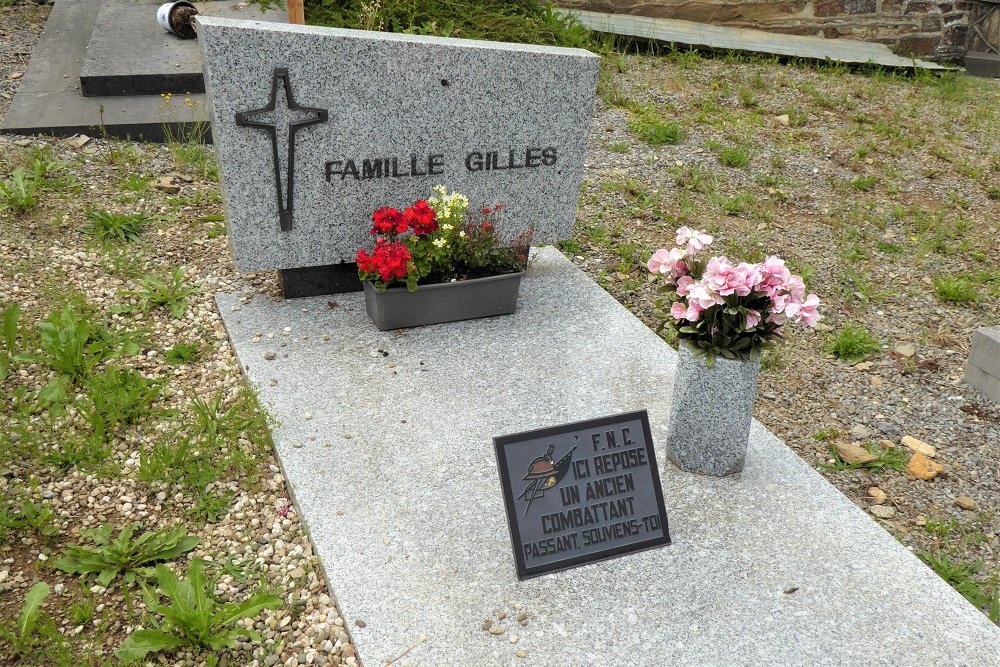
(395, 476)
(315, 128)
(49, 99)
(150, 61)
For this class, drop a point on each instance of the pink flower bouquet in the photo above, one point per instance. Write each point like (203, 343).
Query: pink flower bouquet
(721, 308)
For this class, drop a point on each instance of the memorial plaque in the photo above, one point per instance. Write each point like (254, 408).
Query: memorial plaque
(581, 492)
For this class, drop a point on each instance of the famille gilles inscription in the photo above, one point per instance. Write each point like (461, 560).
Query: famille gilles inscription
(315, 128)
(581, 492)
(435, 165)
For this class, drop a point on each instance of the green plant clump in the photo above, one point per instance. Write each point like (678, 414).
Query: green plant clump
(955, 289)
(194, 618)
(115, 228)
(737, 157)
(123, 555)
(852, 343)
(650, 128)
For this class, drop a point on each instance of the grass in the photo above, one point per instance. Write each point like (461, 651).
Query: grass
(886, 458)
(649, 127)
(955, 289)
(961, 575)
(852, 343)
(115, 228)
(523, 21)
(737, 157)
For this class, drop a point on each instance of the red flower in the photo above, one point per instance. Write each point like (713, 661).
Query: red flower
(365, 261)
(388, 221)
(487, 211)
(422, 218)
(390, 260)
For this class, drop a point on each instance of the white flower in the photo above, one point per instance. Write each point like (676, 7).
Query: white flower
(461, 234)
(447, 227)
(440, 243)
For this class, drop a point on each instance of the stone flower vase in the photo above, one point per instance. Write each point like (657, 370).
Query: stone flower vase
(711, 413)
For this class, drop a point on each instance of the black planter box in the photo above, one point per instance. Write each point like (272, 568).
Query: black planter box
(397, 307)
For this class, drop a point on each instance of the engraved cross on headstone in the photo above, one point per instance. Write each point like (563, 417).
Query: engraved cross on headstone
(292, 116)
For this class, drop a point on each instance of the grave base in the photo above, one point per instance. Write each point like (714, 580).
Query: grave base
(395, 476)
(982, 64)
(319, 280)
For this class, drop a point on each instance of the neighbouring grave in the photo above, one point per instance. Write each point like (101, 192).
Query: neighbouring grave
(983, 370)
(315, 128)
(386, 443)
(112, 54)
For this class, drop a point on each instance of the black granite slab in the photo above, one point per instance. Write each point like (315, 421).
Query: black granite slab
(319, 280)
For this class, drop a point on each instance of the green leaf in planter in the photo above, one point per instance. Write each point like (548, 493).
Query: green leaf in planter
(31, 608)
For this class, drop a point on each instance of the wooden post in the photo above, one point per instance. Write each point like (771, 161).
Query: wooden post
(296, 12)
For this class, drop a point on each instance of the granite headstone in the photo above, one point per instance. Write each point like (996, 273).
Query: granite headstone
(315, 128)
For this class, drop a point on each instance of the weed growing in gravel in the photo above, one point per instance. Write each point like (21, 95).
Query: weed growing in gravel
(117, 397)
(216, 443)
(89, 452)
(852, 343)
(955, 289)
(123, 555)
(619, 147)
(81, 612)
(737, 157)
(111, 228)
(735, 205)
(891, 458)
(73, 346)
(40, 518)
(34, 629)
(183, 353)
(774, 359)
(171, 293)
(961, 577)
(193, 618)
(863, 183)
(646, 125)
(19, 193)
(825, 434)
(10, 351)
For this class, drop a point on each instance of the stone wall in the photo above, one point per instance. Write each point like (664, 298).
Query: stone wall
(935, 29)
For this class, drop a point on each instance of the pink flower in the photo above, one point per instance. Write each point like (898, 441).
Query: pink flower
(684, 284)
(690, 313)
(795, 287)
(776, 318)
(694, 239)
(667, 261)
(727, 279)
(806, 312)
(774, 275)
(703, 297)
(753, 318)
